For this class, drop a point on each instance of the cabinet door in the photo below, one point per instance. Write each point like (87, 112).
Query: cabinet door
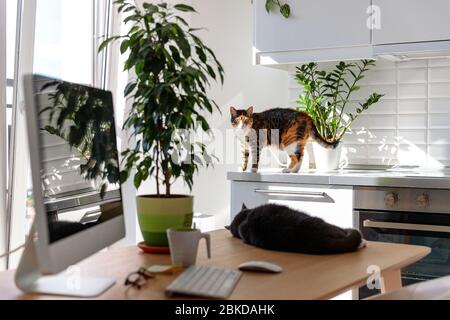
(333, 204)
(412, 21)
(312, 25)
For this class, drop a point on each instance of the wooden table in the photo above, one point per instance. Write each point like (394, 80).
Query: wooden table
(303, 277)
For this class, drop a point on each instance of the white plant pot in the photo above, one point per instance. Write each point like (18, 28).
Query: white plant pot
(327, 159)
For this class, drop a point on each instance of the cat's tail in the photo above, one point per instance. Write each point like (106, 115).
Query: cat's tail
(320, 140)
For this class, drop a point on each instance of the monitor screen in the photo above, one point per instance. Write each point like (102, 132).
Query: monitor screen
(80, 174)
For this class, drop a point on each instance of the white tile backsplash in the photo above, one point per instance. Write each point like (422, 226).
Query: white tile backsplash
(440, 74)
(418, 75)
(381, 137)
(439, 62)
(383, 151)
(439, 137)
(439, 90)
(375, 122)
(412, 154)
(411, 123)
(439, 105)
(388, 90)
(412, 136)
(438, 121)
(439, 152)
(383, 107)
(408, 106)
(416, 90)
(381, 77)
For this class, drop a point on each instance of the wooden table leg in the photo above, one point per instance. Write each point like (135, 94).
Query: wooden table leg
(390, 281)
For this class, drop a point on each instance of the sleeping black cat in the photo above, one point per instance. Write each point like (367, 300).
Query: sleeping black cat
(277, 227)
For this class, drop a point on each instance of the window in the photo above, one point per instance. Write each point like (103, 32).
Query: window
(63, 49)
(11, 21)
(66, 36)
(64, 40)
(8, 16)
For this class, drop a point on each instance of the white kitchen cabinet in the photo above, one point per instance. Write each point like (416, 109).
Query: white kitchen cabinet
(313, 25)
(405, 21)
(331, 203)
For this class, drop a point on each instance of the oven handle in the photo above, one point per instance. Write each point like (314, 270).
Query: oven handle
(292, 193)
(406, 226)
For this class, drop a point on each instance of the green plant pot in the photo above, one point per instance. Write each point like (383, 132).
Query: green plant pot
(156, 215)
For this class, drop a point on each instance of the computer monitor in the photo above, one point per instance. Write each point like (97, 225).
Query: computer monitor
(76, 183)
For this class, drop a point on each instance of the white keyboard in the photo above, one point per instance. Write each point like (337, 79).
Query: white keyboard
(205, 282)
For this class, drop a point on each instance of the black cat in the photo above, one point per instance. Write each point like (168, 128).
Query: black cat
(277, 227)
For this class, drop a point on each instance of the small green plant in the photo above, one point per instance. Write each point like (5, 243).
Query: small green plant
(326, 94)
(285, 9)
(173, 69)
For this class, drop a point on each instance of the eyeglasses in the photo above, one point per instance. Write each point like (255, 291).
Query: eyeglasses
(139, 278)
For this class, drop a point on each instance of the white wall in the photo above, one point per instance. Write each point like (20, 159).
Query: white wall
(3, 131)
(411, 123)
(229, 33)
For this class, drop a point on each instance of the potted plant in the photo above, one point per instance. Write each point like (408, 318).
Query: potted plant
(325, 97)
(173, 69)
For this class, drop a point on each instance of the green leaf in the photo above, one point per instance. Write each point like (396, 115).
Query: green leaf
(134, 17)
(269, 5)
(183, 21)
(201, 54)
(124, 46)
(139, 67)
(184, 8)
(124, 176)
(129, 88)
(137, 179)
(285, 10)
(175, 54)
(211, 71)
(184, 45)
(106, 42)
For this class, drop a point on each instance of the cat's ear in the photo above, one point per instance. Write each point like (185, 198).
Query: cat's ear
(244, 207)
(250, 111)
(233, 112)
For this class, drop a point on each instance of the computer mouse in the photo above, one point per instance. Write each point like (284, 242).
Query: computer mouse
(260, 266)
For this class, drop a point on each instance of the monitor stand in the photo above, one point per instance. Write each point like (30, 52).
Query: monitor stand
(29, 279)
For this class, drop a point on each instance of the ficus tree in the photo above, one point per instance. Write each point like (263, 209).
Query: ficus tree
(173, 69)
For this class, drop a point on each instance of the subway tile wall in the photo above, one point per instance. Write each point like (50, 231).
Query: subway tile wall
(411, 123)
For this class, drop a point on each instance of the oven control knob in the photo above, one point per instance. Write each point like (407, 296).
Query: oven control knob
(423, 200)
(391, 199)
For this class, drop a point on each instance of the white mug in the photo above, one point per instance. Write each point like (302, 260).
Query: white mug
(183, 245)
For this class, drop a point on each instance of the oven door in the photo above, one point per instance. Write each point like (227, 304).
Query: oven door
(426, 229)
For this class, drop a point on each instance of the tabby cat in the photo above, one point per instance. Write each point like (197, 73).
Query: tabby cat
(277, 227)
(287, 129)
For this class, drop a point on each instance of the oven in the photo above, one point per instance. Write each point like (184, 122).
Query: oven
(408, 216)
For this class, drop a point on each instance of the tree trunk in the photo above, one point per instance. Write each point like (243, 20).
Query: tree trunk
(157, 168)
(167, 176)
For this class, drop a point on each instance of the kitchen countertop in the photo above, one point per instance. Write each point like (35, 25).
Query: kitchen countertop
(394, 177)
